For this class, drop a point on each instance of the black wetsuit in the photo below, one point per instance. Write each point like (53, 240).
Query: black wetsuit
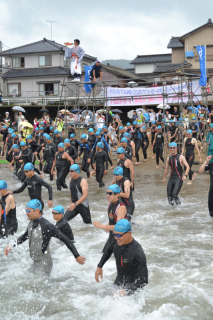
(65, 228)
(144, 144)
(159, 147)
(112, 214)
(57, 140)
(190, 155)
(39, 233)
(132, 272)
(61, 167)
(129, 202)
(71, 131)
(172, 129)
(208, 167)
(26, 155)
(11, 220)
(3, 225)
(49, 156)
(91, 140)
(100, 159)
(85, 148)
(128, 152)
(83, 208)
(193, 127)
(126, 171)
(137, 135)
(73, 154)
(17, 165)
(175, 180)
(34, 147)
(34, 186)
(9, 146)
(75, 143)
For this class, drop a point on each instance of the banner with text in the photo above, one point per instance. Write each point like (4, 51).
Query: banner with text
(152, 95)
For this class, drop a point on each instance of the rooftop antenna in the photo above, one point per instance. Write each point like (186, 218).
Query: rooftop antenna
(51, 26)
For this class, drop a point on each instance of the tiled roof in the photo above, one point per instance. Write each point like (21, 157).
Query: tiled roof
(37, 72)
(153, 58)
(175, 43)
(168, 67)
(132, 70)
(119, 72)
(209, 23)
(42, 46)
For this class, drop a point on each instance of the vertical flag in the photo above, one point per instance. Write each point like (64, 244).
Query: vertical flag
(201, 50)
(88, 87)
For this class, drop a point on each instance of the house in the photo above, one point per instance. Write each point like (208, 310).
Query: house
(37, 69)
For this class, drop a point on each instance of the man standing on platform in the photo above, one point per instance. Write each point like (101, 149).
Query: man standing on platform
(76, 53)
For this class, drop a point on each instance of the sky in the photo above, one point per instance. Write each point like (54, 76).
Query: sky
(118, 29)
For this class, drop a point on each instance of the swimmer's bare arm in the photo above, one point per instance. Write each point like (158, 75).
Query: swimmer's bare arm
(84, 187)
(202, 168)
(10, 203)
(154, 140)
(66, 156)
(182, 153)
(131, 168)
(54, 163)
(183, 162)
(121, 213)
(166, 170)
(127, 186)
(198, 151)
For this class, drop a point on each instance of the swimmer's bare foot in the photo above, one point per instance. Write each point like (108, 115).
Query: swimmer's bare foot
(144, 160)
(153, 157)
(157, 167)
(111, 167)
(194, 175)
(90, 175)
(190, 182)
(137, 163)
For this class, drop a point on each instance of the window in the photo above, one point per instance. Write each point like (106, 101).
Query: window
(18, 62)
(14, 89)
(45, 61)
(67, 62)
(48, 89)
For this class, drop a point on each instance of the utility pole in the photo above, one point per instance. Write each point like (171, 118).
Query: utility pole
(0, 51)
(51, 25)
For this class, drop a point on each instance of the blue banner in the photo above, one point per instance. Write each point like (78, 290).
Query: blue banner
(201, 50)
(88, 87)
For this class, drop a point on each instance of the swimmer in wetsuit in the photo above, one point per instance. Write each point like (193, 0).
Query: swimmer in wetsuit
(61, 223)
(130, 143)
(158, 145)
(144, 143)
(79, 197)
(137, 135)
(39, 232)
(126, 164)
(189, 145)
(208, 166)
(116, 211)
(100, 160)
(3, 219)
(176, 162)
(10, 208)
(34, 184)
(57, 138)
(85, 148)
(49, 156)
(127, 148)
(72, 152)
(126, 191)
(132, 273)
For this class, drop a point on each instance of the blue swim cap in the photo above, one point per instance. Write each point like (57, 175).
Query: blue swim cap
(41, 128)
(72, 135)
(128, 124)
(193, 118)
(120, 150)
(189, 131)
(42, 123)
(29, 137)
(75, 167)
(22, 144)
(126, 134)
(173, 144)
(34, 204)
(121, 128)
(119, 170)
(83, 136)
(123, 225)
(61, 145)
(58, 209)
(91, 130)
(211, 126)
(15, 146)
(56, 132)
(201, 115)
(114, 188)
(13, 135)
(180, 119)
(51, 128)
(66, 141)
(104, 127)
(45, 135)
(100, 145)
(12, 130)
(48, 137)
(153, 122)
(3, 184)
(5, 127)
(29, 166)
(144, 128)
(159, 127)
(135, 123)
(98, 133)
(124, 140)
(36, 129)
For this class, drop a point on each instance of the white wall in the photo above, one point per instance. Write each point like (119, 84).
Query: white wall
(144, 68)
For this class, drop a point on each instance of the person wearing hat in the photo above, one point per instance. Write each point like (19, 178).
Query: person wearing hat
(127, 148)
(158, 145)
(189, 144)
(126, 164)
(71, 129)
(49, 156)
(132, 272)
(209, 141)
(126, 191)
(129, 128)
(39, 232)
(96, 72)
(61, 223)
(57, 138)
(79, 197)
(34, 183)
(137, 135)
(193, 127)
(10, 208)
(26, 153)
(173, 131)
(116, 211)
(175, 182)
(62, 159)
(100, 160)
(85, 148)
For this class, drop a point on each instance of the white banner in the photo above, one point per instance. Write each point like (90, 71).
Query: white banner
(153, 95)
